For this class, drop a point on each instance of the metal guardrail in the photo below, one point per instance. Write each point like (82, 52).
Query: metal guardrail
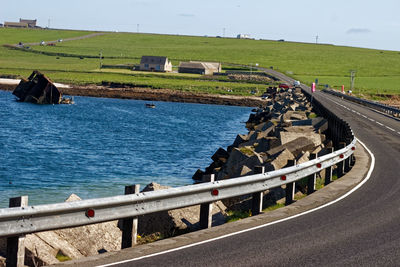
(30, 219)
(374, 105)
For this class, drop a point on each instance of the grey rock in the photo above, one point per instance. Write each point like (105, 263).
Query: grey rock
(220, 155)
(295, 147)
(287, 137)
(299, 129)
(244, 156)
(303, 157)
(240, 138)
(280, 161)
(39, 250)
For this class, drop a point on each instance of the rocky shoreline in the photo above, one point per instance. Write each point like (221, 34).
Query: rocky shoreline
(168, 95)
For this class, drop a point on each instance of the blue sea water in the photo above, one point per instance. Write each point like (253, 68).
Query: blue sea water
(98, 145)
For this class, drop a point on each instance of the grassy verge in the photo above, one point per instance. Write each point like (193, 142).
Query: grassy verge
(378, 72)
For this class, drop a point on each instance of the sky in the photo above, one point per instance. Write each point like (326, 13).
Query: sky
(359, 23)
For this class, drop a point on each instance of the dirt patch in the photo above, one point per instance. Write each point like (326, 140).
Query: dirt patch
(393, 100)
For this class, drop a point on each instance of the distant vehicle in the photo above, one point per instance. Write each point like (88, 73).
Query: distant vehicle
(42, 43)
(296, 84)
(60, 40)
(283, 86)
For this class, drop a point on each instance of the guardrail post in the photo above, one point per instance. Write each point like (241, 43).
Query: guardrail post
(130, 225)
(347, 164)
(257, 199)
(206, 208)
(328, 170)
(311, 180)
(15, 245)
(290, 187)
(352, 160)
(340, 165)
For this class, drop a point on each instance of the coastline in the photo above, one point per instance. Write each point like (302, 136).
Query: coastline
(167, 95)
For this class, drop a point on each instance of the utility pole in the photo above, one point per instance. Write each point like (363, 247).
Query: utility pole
(352, 77)
(137, 28)
(101, 58)
(48, 23)
(223, 32)
(316, 39)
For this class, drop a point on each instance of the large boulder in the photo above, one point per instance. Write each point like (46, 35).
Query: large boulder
(280, 161)
(287, 137)
(92, 239)
(293, 115)
(303, 157)
(295, 147)
(239, 157)
(263, 126)
(240, 138)
(198, 175)
(319, 124)
(220, 155)
(299, 129)
(176, 221)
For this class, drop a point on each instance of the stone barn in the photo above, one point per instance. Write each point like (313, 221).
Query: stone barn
(198, 67)
(31, 22)
(9, 24)
(155, 63)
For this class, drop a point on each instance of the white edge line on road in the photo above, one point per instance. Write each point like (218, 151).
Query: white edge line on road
(371, 168)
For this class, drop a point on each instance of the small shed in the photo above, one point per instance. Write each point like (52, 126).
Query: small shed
(198, 67)
(155, 63)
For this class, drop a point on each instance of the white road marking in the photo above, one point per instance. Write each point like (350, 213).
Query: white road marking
(362, 115)
(371, 168)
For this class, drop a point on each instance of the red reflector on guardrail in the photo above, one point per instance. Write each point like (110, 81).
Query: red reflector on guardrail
(341, 156)
(283, 177)
(215, 192)
(353, 148)
(90, 213)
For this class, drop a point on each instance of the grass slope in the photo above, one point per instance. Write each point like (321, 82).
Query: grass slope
(377, 71)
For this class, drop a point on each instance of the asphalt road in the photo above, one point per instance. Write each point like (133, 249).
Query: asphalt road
(360, 230)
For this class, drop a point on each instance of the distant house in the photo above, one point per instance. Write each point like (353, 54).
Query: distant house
(155, 63)
(31, 22)
(198, 67)
(23, 23)
(243, 36)
(9, 24)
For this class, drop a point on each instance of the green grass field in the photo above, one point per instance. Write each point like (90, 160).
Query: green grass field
(77, 61)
